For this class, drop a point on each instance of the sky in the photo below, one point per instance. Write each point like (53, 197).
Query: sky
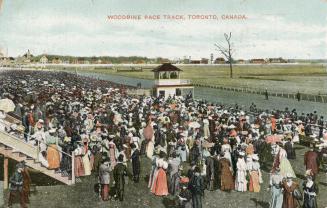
(272, 28)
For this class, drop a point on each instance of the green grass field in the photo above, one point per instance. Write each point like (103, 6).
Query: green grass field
(309, 78)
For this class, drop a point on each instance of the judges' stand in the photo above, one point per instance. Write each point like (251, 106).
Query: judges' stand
(12, 145)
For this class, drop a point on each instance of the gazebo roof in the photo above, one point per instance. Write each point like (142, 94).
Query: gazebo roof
(166, 67)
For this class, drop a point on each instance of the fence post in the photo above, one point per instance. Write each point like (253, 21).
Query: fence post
(2, 199)
(73, 167)
(5, 173)
(37, 151)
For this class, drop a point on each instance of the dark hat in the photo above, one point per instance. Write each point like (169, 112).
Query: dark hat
(121, 158)
(19, 165)
(105, 159)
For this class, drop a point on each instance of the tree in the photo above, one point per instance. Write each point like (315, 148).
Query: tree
(227, 51)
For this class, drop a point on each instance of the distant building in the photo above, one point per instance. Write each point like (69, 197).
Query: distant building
(257, 61)
(277, 60)
(139, 62)
(79, 61)
(220, 60)
(3, 60)
(164, 60)
(106, 62)
(27, 57)
(43, 60)
(56, 61)
(204, 61)
(211, 58)
(195, 61)
(240, 61)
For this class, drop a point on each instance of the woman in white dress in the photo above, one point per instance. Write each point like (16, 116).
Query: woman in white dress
(85, 158)
(227, 149)
(240, 180)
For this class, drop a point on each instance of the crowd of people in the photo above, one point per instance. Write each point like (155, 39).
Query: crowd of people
(193, 145)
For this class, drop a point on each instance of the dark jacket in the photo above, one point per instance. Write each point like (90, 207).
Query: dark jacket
(120, 171)
(16, 182)
(136, 162)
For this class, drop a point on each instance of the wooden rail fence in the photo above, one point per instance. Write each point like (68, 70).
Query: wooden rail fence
(303, 96)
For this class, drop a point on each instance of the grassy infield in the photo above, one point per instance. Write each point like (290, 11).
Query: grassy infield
(310, 78)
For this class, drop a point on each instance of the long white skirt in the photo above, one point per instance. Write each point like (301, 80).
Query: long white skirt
(87, 164)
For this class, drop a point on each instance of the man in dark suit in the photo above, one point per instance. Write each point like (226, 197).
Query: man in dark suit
(197, 188)
(136, 163)
(119, 173)
(16, 186)
(289, 149)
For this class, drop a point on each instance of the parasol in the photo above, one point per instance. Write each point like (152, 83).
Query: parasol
(274, 138)
(194, 125)
(207, 144)
(244, 133)
(7, 105)
(76, 103)
(135, 100)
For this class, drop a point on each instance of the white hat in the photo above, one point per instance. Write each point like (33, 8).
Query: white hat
(2, 116)
(132, 129)
(135, 139)
(13, 126)
(313, 136)
(232, 126)
(255, 157)
(52, 130)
